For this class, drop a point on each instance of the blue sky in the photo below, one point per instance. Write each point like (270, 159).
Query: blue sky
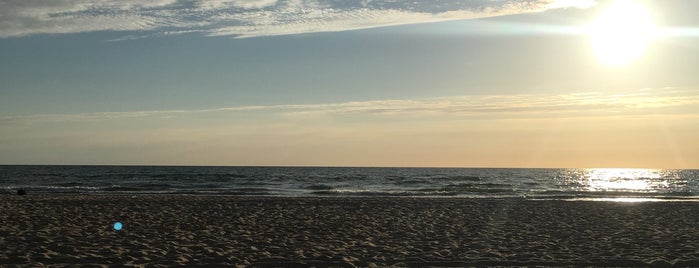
(313, 82)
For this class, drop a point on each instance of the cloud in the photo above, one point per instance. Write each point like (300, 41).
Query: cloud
(668, 101)
(27, 17)
(245, 18)
(572, 3)
(641, 102)
(128, 37)
(245, 4)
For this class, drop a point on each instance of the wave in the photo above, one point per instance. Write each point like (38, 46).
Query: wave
(70, 184)
(369, 193)
(51, 188)
(121, 189)
(319, 187)
(459, 178)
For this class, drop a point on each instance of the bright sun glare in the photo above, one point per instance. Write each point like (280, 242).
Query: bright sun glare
(619, 179)
(621, 32)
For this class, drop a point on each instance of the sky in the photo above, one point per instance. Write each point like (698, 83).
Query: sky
(458, 83)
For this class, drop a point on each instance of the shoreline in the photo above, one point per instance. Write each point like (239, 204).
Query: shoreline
(601, 198)
(262, 231)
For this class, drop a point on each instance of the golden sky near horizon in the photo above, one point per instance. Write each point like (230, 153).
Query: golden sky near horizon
(580, 84)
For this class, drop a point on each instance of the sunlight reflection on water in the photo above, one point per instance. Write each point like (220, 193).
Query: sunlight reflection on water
(633, 199)
(618, 179)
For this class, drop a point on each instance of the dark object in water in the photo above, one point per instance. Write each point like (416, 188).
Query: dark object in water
(21, 192)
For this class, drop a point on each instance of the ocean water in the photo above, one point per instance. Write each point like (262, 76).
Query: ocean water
(642, 184)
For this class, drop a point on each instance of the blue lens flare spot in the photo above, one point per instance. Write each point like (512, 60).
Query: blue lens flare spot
(118, 226)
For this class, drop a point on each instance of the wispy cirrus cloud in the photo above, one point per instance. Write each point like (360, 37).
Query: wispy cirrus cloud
(246, 18)
(244, 4)
(669, 101)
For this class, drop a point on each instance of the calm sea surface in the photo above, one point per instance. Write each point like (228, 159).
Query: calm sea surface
(642, 184)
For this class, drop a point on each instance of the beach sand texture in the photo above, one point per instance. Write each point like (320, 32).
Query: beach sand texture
(57, 229)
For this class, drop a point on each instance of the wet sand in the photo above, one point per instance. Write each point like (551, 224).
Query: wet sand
(165, 230)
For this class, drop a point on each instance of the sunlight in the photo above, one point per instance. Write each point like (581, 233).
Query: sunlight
(619, 179)
(625, 199)
(621, 32)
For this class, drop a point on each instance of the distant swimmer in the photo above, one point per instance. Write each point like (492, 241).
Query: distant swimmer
(21, 192)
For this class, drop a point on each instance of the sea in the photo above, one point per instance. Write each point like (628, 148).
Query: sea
(557, 183)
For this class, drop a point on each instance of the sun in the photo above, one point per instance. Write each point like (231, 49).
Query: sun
(621, 32)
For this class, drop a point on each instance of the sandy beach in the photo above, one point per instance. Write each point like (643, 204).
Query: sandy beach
(164, 230)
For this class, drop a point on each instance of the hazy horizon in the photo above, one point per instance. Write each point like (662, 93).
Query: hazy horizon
(495, 84)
